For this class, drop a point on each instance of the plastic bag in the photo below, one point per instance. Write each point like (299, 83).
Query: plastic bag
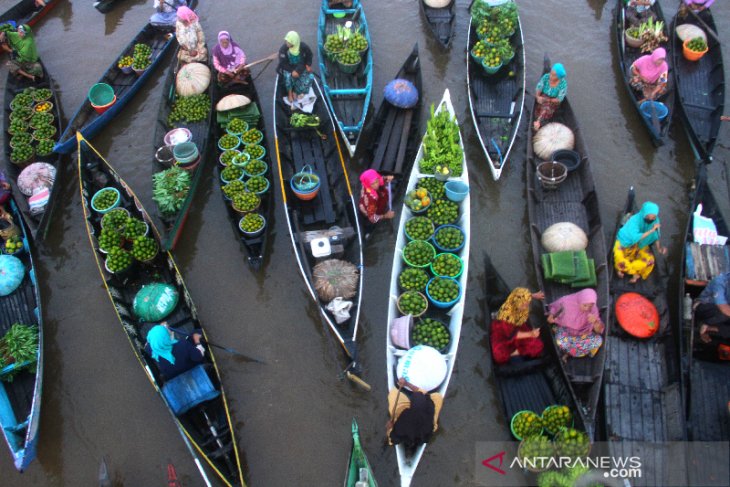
(704, 230)
(340, 309)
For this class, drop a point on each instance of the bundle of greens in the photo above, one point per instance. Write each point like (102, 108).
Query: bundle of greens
(170, 188)
(441, 144)
(19, 345)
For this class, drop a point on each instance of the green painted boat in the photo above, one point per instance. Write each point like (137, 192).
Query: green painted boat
(359, 472)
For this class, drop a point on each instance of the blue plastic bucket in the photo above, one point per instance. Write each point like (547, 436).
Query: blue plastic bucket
(660, 109)
(441, 304)
(456, 191)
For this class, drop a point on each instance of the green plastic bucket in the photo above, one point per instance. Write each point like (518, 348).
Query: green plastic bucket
(101, 95)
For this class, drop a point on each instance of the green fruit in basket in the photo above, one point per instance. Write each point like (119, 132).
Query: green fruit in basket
(42, 94)
(432, 333)
(18, 125)
(257, 184)
(434, 187)
(697, 44)
(526, 423)
(43, 118)
(412, 279)
(570, 442)
(231, 172)
(251, 136)
(193, 108)
(144, 248)
(536, 447)
(443, 212)
(254, 167)
(44, 147)
(237, 126)
(20, 139)
(449, 238)
(446, 264)
(13, 244)
(115, 219)
(24, 112)
(118, 259)
(418, 253)
(228, 156)
(412, 303)
(357, 42)
(109, 239)
(228, 141)
(443, 289)
(349, 56)
(21, 153)
(44, 132)
(235, 186)
(252, 222)
(254, 151)
(556, 417)
(134, 228)
(245, 201)
(22, 100)
(419, 228)
(105, 199)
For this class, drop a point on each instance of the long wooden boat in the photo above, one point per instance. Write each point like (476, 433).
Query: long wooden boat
(26, 12)
(358, 462)
(20, 398)
(329, 221)
(348, 94)
(105, 6)
(408, 460)
(396, 129)
(642, 393)
(657, 129)
(207, 427)
(706, 383)
(254, 246)
(526, 384)
(172, 225)
(86, 119)
(36, 224)
(575, 201)
(700, 87)
(440, 21)
(496, 101)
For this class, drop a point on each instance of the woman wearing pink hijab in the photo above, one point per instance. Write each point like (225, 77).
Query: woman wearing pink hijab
(190, 36)
(229, 60)
(374, 197)
(577, 325)
(649, 74)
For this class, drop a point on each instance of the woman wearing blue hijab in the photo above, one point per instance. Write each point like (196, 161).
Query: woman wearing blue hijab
(549, 92)
(631, 252)
(173, 357)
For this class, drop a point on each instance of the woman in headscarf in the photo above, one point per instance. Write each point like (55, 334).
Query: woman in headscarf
(229, 60)
(166, 13)
(550, 91)
(649, 74)
(698, 5)
(510, 332)
(173, 357)
(638, 11)
(631, 252)
(26, 62)
(578, 326)
(190, 36)
(295, 64)
(374, 196)
(414, 415)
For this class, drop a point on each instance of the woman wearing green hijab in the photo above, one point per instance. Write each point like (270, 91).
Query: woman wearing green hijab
(25, 60)
(295, 64)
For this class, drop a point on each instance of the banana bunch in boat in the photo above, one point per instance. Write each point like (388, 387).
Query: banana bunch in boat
(304, 120)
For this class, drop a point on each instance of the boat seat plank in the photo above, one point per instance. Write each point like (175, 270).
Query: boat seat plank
(560, 211)
(531, 390)
(709, 393)
(309, 151)
(494, 99)
(378, 158)
(395, 139)
(703, 262)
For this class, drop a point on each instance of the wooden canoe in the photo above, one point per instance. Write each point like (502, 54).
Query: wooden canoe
(37, 225)
(207, 427)
(408, 460)
(642, 393)
(254, 246)
(26, 12)
(348, 95)
(20, 399)
(574, 201)
(358, 461)
(332, 215)
(172, 225)
(440, 21)
(700, 88)
(86, 119)
(657, 129)
(396, 129)
(707, 388)
(496, 101)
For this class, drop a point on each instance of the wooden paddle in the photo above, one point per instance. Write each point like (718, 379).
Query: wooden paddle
(229, 350)
(703, 23)
(270, 57)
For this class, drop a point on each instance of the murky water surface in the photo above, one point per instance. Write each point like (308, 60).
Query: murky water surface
(293, 414)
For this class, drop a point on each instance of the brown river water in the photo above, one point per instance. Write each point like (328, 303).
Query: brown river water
(292, 415)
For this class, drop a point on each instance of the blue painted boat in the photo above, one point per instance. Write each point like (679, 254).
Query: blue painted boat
(20, 398)
(86, 119)
(348, 94)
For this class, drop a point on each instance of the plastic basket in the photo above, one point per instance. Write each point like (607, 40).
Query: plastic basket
(443, 349)
(116, 203)
(247, 166)
(691, 55)
(572, 418)
(442, 304)
(660, 109)
(255, 233)
(230, 148)
(456, 191)
(348, 68)
(514, 417)
(263, 153)
(461, 266)
(164, 156)
(407, 314)
(491, 69)
(220, 157)
(268, 185)
(258, 139)
(229, 131)
(408, 236)
(413, 242)
(185, 152)
(241, 159)
(101, 94)
(444, 249)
